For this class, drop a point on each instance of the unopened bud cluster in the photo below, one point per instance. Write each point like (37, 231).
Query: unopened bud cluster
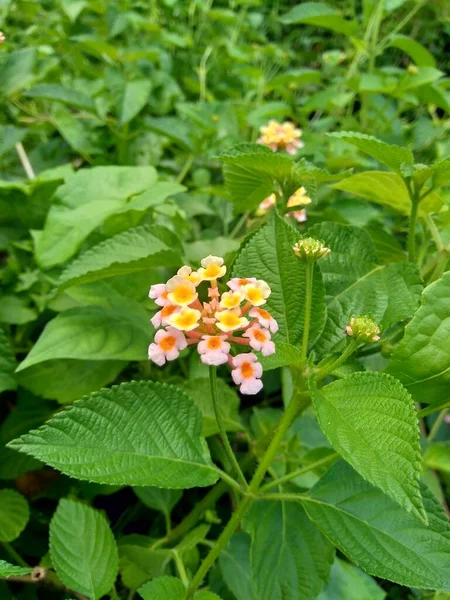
(363, 329)
(310, 249)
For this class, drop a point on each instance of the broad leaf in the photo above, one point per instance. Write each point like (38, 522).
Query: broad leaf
(163, 588)
(347, 582)
(319, 14)
(235, 567)
(158, 498)
(16, 72)
(83, 549)
(14, 515)
(371, 420)
(377, 534)
(138, 562)
(8, 570)
(422, 359)
(135, 97)
(420, 55)
(7, 364)
(59, 93)
(290, 558)
(267, 254)
(138, 433)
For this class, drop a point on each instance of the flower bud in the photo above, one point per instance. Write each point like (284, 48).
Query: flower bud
(363, 329)
(310, 249)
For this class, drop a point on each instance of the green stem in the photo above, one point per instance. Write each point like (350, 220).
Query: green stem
(352, 346)
(222, 430)
(180, 568)
(308, 303)
(230, 481)
(239, 224)
(436, 425)
(288, 497)
(434, 232)
(296, 473)
(185, 170)
(412, 222)
(13, 554)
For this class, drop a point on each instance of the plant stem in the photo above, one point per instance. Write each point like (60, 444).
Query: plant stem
(239, 224)
(25, 161)
(322, 373)
(230, 481)
(180, 568)
(308, 302)
(288, 497)
(437, 424)
(13, 554)
(222, 430)
(434, 232)
(296, 473)
(185, 170)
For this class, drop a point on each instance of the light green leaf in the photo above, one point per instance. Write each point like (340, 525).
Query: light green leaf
(59, 93)
(235, 567)
(424, 76)
(15, 310)
(83, 549)
(135, 97)
(347, 582)
(371, 420)
(285, 355)
(421, 361)
(320, 15)
(437, 456)
(267, 254)
(200, 391)
(294, 76)
(7, 364)
(158, 499)
(377, 534)
(9, 137)
(134, 250)
(387, 154)
(290, 558)
(8, 570)
(163, 588)
(14, 515)
(138, 433)
(93, 333)
(205, 595)
(16, 72)
(79, 134)
(420, 55)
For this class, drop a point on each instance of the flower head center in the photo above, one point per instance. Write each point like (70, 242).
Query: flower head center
(260, 335)
(167, 343)
(247, 369)
(214, 343)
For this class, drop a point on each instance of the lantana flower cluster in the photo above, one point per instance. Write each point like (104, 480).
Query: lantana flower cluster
(281, 136)
(226, 321)
(298, 198)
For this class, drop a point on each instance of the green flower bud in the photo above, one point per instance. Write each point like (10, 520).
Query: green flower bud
(363, 329)
(310, 249)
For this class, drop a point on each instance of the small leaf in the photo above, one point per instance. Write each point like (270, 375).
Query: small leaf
(59, 93)
(163, 588)
(138, 433)
(135, 97)
(320, 15)
(8, 570)
(14, 515)
(83, 549)
(371, 420)
(158, 498)
(138, 562)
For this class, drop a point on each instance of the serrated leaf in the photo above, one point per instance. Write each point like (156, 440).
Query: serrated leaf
(371, 420)
(14, 515)
(158, 499)
(135, 250)
(285, 355)
(377, 534)
(9, 570)
(163, 588)
(83, 549)
(347, 582)
(235, 567)
(320, 15)
(59, 93)
(290, 558)
(138, 433)
(7, 364)
(93, 333)
(135, 97)
(422, 359)
(387, 154)
(420, 55)
(268, 255)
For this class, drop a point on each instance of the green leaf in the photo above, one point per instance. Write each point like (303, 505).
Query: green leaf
(16, 72)
(377, 534)
(9, 137)
(420, 55)
(14, 515)
(437, 456)
(138, 433)
(135, 97)
(93, 333)
(83, 549)
(59, 93)
(421, 361)
(158, 499)
(285, 355)
(15, 311)
(387, 154)
(8, 570)
(347, 582)
(235, 567)
(371, 420)
(296, 77)
(138, 562)
(290, 558)
(132, 251)
(267, 254)
(163, 588)
(319, 14)
(7, 364)
(200, 391)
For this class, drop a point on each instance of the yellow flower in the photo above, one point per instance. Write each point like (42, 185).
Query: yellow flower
(185, 319)
(230, 300)
(190, 275)
(299, 198)
(212, 268)
(230, 320)
(257, 293)
(180, 291)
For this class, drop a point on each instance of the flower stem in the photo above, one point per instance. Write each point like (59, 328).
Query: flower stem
(222, 430)
(308, 303)
(322, 373)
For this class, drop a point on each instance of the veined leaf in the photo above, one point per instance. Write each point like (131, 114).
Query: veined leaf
(138, 562)
(285, 355)
(7, 364)
(138, 433)
(14, 515)
(290, 558)
(421, 361)
(157, 498)
(235, 567)
(9, 570)
(371, 420)
(377, 534)
(267, 254)
(320, 15)
(83, 549)
(135, 97)
(163, 588)
(347, 582)
(59, 93)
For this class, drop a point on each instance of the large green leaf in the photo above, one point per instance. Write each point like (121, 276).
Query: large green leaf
(268, 255)
(347, 582)
(93, 333)
(319, 14)
(14, 515)
(59, 93)
(9, 570)
(235, 567)
(83, 549)
(138, 433)
(371, 420)
(134, 250)
(290, 558)
(7, 364)
(422, 359)
(377, 534)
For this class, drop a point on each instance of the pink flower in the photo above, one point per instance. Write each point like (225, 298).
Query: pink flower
(260, 339)
(299, 215)
(167, 346)
(162, 316)
(247, 373)
(214, 350)
(237, 283)
(264, 318)
(158, 293)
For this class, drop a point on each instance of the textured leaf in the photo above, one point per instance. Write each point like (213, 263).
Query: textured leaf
(268, 255)
(59, 93)
(135, 97)
(163, 588)
(422, 359)
(93, 333)
(420, 55)
(320, 15)
(377, 534)
(387, 154)
(347, 582)
(8, 570)
(138, 562)
(83, 549)
(235, 567)
(7, 364)
(285, 355)
(14, 515)
(290, 558)
(371, 420)
(158, 499)
(134, 250)
(138, 433)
